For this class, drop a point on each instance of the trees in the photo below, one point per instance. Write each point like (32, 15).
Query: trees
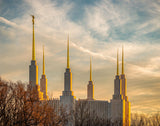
(6, 103)
(81, 113)
(22, 107)
(145, 120)
(84, 116)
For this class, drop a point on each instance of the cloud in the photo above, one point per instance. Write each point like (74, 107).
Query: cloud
(5, 21)
(94, 54)
(103, 28)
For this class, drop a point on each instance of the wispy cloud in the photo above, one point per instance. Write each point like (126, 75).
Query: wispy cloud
(94, 54)
(5, 21)
(103, 28)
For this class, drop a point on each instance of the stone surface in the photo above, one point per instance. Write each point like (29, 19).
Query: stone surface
(90, 91)
(33, 73)
(43, 86)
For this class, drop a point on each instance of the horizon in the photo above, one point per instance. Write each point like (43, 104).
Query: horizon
(97, 29)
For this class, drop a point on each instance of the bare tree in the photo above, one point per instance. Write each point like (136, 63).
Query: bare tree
(22, 107)
(84, 116)
(81, 113)
(145, 119)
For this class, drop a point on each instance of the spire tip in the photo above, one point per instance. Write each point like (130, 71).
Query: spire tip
(117, 63)
(68, 51)
(43, 62)
(90, 68)
(33, 41)
(122, 59)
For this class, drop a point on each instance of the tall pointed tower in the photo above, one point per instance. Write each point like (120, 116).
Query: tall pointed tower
(43, 81)
(123, 82)
(90, 87)
(67, 100)
(117, 102)
(123, 78)
(33, 68)
(117, 84)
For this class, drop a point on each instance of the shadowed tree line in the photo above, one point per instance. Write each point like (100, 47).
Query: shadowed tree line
(21, 107)
(85, 117)
(145, 120)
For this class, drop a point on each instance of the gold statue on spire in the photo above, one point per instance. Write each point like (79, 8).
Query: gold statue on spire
(117, 63)
(33, 42)
(32, 19)
(122, 60)
(43, 62)
(68, 52)
(90, 69)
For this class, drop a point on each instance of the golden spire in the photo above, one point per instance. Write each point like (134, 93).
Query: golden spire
(90, 69)
(68, 52)
(122, 60)
(43, 62)
(117, 63)
(33, 42)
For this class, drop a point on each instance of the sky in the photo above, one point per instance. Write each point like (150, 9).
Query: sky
(96, 28)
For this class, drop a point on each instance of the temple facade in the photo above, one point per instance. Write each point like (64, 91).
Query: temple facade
(116, 110)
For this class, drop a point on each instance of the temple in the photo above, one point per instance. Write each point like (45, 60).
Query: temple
(116, 110)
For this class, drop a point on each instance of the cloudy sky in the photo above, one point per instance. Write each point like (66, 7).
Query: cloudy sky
(96, 28)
